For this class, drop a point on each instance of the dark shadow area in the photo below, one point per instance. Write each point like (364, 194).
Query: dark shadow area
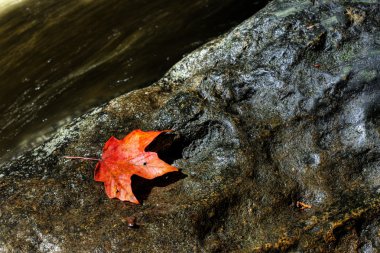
(142, 187)
(168, 146)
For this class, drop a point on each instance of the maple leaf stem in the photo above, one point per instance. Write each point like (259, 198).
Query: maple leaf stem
(82, 158)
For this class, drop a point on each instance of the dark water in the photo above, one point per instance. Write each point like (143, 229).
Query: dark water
(60, 58)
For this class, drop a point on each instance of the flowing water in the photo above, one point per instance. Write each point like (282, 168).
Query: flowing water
(59, 58)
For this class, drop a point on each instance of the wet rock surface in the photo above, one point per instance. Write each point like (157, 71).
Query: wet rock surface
(281, 111)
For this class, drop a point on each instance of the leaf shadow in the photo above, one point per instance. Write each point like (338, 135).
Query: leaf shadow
(142, 187)
(169, 147)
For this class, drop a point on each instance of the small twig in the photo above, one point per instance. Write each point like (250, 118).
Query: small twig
(82, 158)
(302, 206)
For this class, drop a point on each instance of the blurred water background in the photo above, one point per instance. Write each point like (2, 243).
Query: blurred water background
(59, 58)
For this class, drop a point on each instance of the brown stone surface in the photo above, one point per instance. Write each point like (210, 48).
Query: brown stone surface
(258, 127)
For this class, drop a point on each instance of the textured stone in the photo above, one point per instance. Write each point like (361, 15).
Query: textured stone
(282, 109)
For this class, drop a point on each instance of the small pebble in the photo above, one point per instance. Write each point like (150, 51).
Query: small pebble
(131, 221)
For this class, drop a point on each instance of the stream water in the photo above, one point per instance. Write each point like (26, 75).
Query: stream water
(59, 58)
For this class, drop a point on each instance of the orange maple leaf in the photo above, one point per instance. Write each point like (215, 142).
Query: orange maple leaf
(123, 158)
